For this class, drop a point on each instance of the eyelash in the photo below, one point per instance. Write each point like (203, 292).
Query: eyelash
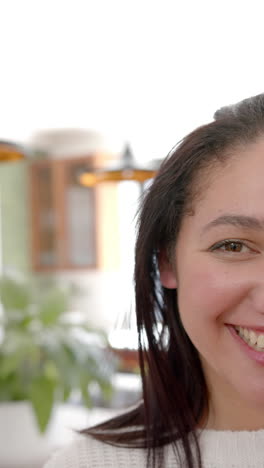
(228, 242)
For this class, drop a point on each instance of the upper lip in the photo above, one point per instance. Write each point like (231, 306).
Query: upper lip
(256, 328)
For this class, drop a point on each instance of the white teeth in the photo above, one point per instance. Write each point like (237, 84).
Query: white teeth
(252, 337)
(246, 333)
(254, 340)
(260, 341)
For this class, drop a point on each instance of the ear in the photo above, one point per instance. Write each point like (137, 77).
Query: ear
(167, 273)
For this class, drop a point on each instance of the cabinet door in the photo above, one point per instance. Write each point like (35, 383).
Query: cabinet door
(63, 216)
(80, 218)
(44, 236)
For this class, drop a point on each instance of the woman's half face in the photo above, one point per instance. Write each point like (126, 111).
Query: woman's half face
(218, 269)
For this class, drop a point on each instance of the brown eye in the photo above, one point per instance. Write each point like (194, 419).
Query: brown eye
(228, 247)
(233, 247)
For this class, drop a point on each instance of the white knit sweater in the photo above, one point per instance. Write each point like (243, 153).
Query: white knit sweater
(220, 449)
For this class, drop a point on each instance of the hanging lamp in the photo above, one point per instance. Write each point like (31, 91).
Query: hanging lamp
(125, 170)
(11, 151)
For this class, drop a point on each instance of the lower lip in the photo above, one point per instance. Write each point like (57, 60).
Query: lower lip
(257, 356)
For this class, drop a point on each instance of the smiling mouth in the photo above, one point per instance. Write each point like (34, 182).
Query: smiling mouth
(253, 339)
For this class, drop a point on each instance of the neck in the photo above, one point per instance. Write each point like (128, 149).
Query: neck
(230, 411)
(237, 419)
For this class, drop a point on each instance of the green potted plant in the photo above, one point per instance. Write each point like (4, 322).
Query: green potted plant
(43, 356)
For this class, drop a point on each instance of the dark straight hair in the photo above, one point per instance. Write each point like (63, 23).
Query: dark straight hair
(175, 396)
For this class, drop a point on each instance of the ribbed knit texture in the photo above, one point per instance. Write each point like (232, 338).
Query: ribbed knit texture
(220, 449)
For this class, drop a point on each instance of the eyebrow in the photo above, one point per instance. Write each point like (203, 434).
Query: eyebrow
(249, 222)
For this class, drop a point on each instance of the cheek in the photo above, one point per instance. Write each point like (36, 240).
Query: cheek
(207, 297)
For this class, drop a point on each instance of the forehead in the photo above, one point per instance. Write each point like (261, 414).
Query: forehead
(235, 184)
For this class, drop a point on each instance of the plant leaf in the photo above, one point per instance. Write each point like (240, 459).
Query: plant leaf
(9, 363)
(107, 390)
(42, 399)
(53, 306)
(66, 393)
(85, 392)
(13, 295)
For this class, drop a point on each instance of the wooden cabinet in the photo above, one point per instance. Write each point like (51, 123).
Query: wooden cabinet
(68, 228)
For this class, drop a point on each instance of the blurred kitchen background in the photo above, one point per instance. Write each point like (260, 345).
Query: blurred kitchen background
(93, 96)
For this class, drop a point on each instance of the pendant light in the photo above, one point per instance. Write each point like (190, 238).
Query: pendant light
(11, 151)
(125, 170)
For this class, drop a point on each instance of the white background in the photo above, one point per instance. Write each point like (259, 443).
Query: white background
(146, 71)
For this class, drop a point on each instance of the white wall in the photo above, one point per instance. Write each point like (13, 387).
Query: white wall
(147, 70)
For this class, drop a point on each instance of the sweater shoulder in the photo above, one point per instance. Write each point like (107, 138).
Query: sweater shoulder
(87, 452)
